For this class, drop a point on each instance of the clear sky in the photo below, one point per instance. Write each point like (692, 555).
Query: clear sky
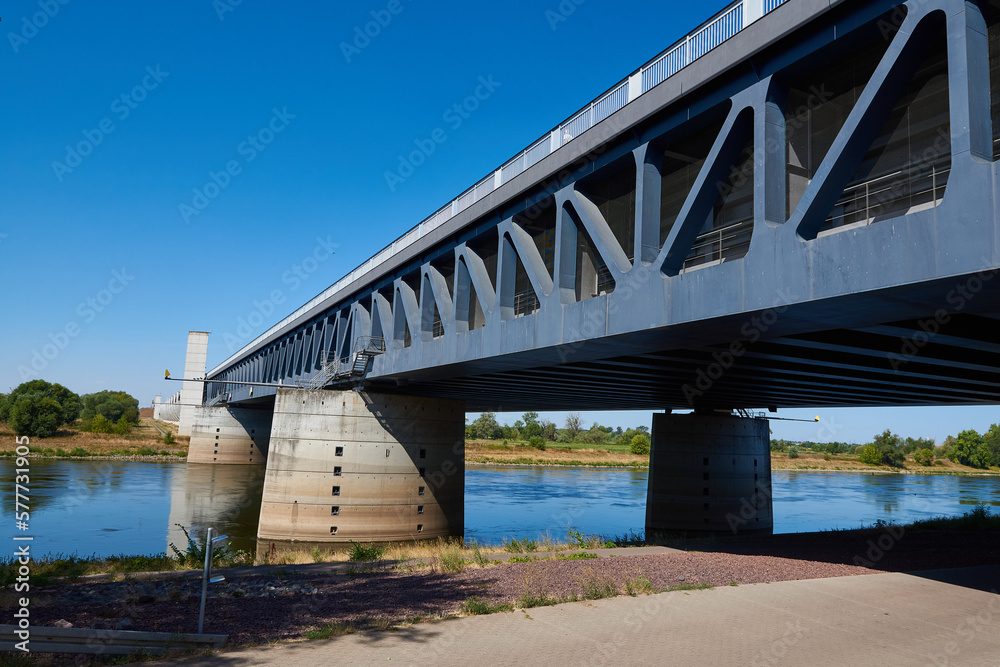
(170, 166)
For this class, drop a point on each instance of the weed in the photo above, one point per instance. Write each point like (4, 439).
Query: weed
(478, 557)
(638, 585)
(521, 559)
(580, 555)
(451, 561)
(332, 630)
(195, 553)
(690, 587)
(317, 555)
(366, 552)
(517, 546)
(479, 607)
(540, 599)
(595, 588)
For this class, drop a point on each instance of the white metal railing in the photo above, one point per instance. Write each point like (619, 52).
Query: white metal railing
(731, 20)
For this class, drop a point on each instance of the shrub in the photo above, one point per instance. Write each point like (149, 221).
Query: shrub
(68, 402)
(870, 454)
(35, 414)
(639, 444)
(122, 427)
(168, 439)
(366, 552)
(101, 424)
(793, 451)
(537, 441)
(924, 457)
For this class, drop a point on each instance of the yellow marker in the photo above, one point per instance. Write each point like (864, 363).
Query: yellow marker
(817, 418)
(166, 375)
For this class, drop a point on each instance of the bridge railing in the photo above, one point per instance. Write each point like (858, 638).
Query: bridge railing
(708, 36)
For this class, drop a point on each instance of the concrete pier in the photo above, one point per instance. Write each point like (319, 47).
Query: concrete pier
(229, 435)
(347, 465)
(709, 473)
(192, 391)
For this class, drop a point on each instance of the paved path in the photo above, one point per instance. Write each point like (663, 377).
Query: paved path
(947, 617)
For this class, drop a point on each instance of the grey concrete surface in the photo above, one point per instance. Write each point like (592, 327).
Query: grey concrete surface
(881, 619)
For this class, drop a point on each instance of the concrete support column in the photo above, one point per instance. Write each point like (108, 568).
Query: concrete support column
(709, 472)
(346, 465)
(229, 435)
(192, 392)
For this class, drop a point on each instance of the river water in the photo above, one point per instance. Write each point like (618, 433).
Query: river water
(108, 507)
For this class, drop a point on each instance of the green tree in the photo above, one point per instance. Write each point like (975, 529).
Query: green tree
(101, 424)
(870, 454)
(574, 424)
(487, 427)
(991, 442)
(969, 449)
(112, 404)
(531, 426)
(548, 430)
(639, 444)
(35, 414)
(889, 452)
(924, 457)
(69, 403)
(4, 408)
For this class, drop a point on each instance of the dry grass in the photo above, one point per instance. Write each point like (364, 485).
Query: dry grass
(435, 552)
(67, 438)
(495, 452)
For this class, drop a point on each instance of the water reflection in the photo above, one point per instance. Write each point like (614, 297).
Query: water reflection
(109, 507)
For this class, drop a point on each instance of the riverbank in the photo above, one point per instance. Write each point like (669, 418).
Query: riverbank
(146, 444)
(320, 600)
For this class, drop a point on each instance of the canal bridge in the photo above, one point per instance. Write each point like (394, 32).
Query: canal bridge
(795, 205)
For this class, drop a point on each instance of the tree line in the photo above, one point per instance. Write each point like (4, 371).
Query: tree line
(887, 448)
(38, 409)
(537, 432)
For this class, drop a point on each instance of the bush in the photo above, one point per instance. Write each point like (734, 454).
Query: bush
(101, 424)
(122, 427)
(639, 444)
(924, 457)
(793, 451)
(114, 405)
(168, 439)
(366, 552)
(35, 414)
(870, 454)
(537, 441)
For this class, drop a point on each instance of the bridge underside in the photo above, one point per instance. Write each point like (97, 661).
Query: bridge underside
(945, 357)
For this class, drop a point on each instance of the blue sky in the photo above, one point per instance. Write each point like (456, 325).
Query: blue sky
(173, 165)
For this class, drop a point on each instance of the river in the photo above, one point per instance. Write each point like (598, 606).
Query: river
(108, 507)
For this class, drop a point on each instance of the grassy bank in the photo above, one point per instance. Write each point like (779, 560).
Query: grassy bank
(849, 463)
(71, 442)
(440, 555)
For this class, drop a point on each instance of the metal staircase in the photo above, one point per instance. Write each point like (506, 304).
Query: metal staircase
(351, 367)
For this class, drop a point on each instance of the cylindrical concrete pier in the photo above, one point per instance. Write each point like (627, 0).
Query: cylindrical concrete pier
(229, 435)
(347, 465)
(709, 473)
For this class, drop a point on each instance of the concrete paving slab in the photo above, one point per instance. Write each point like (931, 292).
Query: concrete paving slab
(881, 619)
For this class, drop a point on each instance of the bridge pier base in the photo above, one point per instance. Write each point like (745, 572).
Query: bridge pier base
(348, 465)
(709, 473)
(229, 435)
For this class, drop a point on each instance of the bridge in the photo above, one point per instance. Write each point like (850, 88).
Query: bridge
(792, 206)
